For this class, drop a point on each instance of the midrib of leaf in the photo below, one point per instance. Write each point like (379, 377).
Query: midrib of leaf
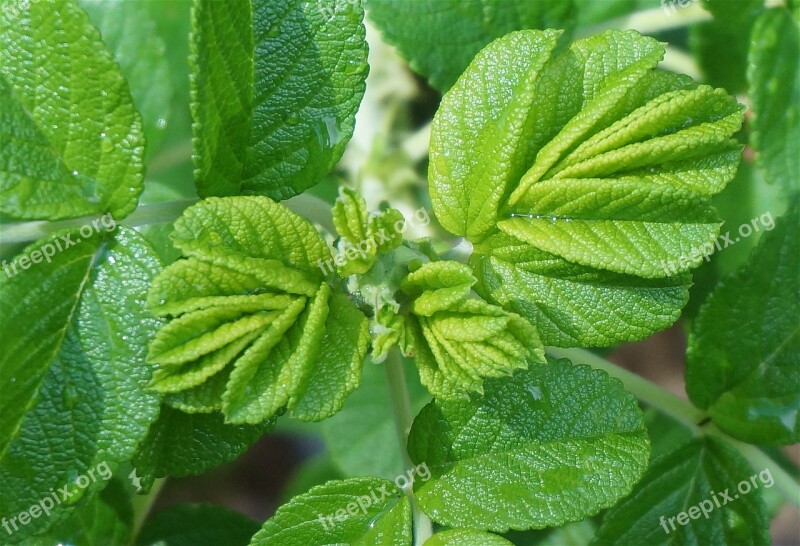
(60, 334)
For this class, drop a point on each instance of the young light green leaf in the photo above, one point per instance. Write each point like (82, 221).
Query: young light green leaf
(73, 142)
(572, 305)
(594, 165)
(355, 512)
(466, 537)
(275, 88)
(774, 77)
(250, 315)
(129, 31)
(702, 493)
(345, 340)
(352, 224)
(743, 360)
(477, 137)
(440, 37)
(179, 444)
(197, 525)
(458, 341)
(215, 230)
(533, 444)
(90, 377)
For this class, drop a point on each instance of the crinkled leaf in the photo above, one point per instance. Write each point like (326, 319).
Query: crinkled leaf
(438, 286)
(251, 317)
(265, 380)
(345, 341)
(478, 145)
(592, 164)
(83, 388)
(129, 31)
(352, 224)
(698, 475)
(465, 537)
(249, 227)
(197, 525)
(72, 140)
(458, 341)
(553, 444)
(275, 88)
(572, 305)
(440, 37)
(743, 360)
(385, 519)
(181, 444)
(774, 76)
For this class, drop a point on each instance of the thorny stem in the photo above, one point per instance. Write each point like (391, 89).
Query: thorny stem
(685, 413)
(403, 417)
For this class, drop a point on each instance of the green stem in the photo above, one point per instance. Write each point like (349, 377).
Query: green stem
(651, 21)
(142, 504)
(305, 205)
(155, 213)
(403, 418)
(685, 413)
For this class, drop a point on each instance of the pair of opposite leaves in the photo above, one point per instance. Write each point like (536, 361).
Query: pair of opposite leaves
(579, 177)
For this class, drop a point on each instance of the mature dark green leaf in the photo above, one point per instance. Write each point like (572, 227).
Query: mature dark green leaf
(743, 360)
(40, 301)
(440, 37)
(533, 452)
(275, 88)
(72, 140)
(86, 392)
(197, 525)
(180, 444)
(355, 512)
(721, 45)
(774, 76)
(105, 519)
(702, 493)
